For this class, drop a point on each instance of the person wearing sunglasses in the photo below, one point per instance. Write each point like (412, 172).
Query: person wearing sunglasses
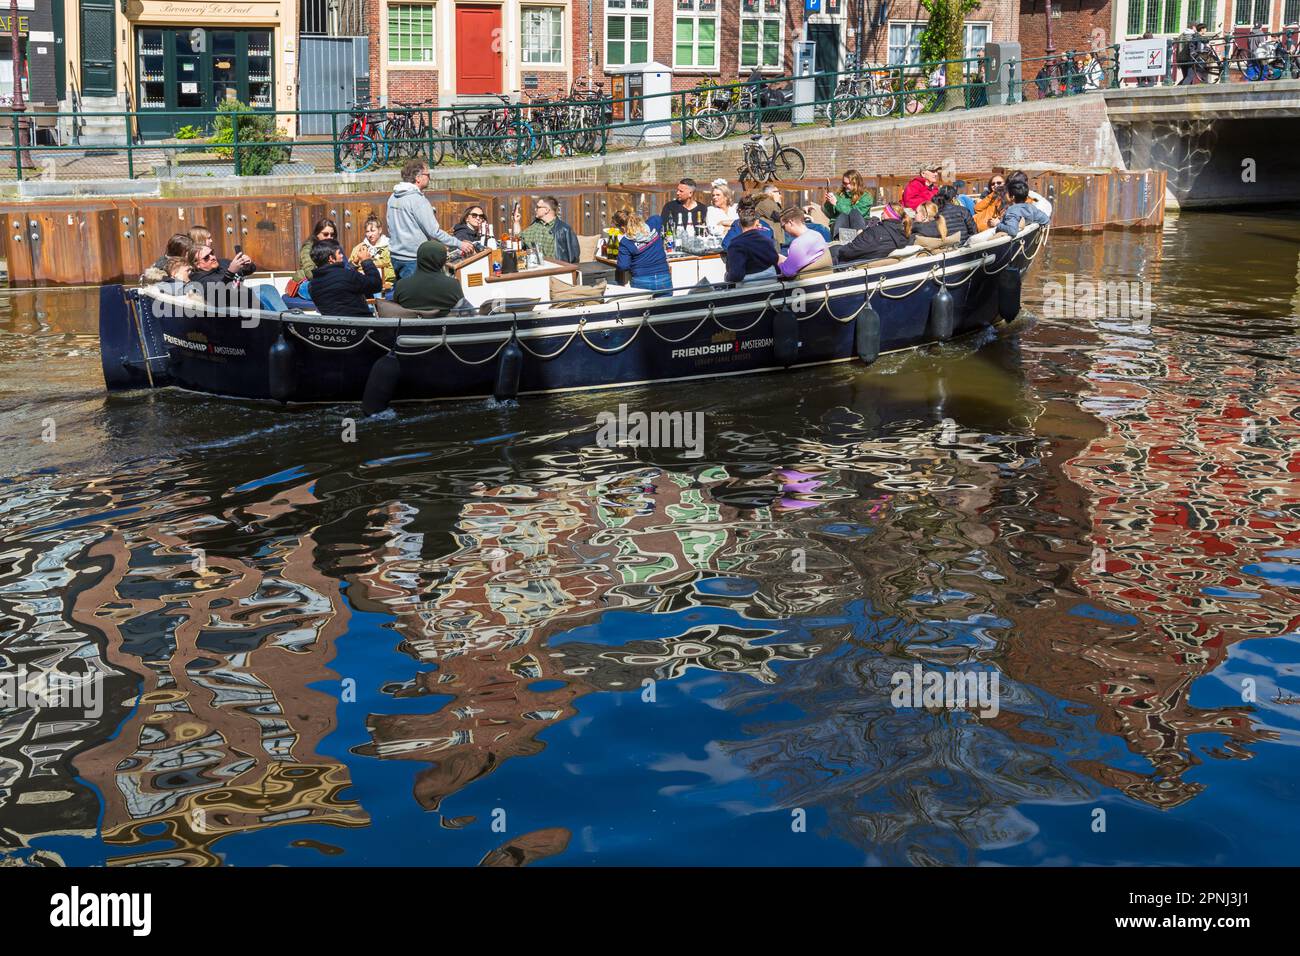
(991, 205)
(472, 227)
(323, 229)
(412, 221)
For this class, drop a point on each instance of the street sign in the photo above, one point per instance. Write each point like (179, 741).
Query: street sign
(1142, 57)
(812, 6)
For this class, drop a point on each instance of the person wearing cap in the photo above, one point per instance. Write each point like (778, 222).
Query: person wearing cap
(923, 187)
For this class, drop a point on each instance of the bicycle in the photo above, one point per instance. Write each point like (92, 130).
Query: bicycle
(864, 92)
(407, 130)
(362, 143)
(758, 165)
(505, 137)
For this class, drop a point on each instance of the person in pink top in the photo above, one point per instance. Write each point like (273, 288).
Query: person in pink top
(923, 187)
(808, 245)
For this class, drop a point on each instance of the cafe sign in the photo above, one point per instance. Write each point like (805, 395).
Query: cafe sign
(6, 25)
(189, 11)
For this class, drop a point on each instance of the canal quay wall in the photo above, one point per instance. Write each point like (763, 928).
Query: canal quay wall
(72, 232)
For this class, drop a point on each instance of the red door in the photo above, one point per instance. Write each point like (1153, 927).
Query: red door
(478, 50)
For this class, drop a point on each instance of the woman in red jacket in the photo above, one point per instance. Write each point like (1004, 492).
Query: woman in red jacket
(923, 187)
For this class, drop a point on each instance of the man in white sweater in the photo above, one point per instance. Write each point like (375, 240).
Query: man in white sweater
(411, 220)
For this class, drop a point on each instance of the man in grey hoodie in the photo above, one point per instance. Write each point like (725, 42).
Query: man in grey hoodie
(411, 220)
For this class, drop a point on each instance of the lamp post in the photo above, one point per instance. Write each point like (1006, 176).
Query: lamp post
(1047, 5)
(16, 105)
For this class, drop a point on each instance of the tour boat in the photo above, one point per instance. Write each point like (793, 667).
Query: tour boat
(510, 340)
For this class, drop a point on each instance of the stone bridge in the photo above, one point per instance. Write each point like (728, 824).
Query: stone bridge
(1220, 143)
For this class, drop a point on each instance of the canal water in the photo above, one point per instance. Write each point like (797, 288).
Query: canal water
(472, 635)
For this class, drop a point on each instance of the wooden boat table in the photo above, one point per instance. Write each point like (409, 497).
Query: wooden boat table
(688, 269)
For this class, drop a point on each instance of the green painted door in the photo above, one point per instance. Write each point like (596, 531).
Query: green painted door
(98, 48)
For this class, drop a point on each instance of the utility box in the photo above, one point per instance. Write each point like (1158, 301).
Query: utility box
(1002, 73)
(805, 86)
(643, 110)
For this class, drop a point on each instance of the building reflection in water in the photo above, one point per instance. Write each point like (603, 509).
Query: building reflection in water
(1094, 552)
(208, 662)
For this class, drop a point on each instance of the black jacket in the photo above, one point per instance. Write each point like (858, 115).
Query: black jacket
(339, 289)
(748, 253)
(878, 240)
(959, 220)
(465, 233)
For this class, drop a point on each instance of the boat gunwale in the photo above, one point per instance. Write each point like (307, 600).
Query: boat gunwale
(956, 260)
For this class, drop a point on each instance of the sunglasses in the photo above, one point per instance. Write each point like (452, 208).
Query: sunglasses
(476, 215)
(205, 258)
(327, 235)
(998, 182)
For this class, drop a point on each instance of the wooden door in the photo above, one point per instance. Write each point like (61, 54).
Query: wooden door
(478, 50)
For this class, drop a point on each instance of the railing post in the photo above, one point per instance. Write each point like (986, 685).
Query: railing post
(428, 135)
(683, 117)
(334, 139)
(130, 151)
(18, 150)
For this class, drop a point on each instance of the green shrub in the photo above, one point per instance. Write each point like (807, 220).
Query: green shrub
(190, 132)
(254, 128)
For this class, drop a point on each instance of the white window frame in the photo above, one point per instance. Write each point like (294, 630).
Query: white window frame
(430, 62)
(694, 14)
(968, 50)
(911, 25)
(531, 65)
(741, 67)
(625, 12)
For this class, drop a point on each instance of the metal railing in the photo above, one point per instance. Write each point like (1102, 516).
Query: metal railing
(1244, 55)
(518, 133)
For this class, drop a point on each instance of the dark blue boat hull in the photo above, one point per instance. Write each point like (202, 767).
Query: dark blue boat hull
(686, 336)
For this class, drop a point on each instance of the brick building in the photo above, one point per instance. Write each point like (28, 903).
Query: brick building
(450, 51)
(1076, 25)
(1087, 24)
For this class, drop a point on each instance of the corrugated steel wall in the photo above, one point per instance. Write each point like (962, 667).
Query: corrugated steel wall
(332, 71)
(112, 240)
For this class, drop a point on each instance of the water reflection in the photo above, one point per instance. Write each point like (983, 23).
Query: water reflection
(1105, 514)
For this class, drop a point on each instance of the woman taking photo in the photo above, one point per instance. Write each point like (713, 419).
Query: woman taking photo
(850, 207)
(642, 261)
(990, 206)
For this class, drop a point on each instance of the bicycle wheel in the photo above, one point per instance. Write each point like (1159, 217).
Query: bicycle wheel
(709, 123)
(356, 154)
(843, 107)
(788, 163)
(1094, 77)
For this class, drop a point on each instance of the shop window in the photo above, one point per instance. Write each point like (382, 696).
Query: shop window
(542, 29)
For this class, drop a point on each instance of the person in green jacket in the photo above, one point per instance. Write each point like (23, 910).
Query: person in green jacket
(850, 207)
(324, 229)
